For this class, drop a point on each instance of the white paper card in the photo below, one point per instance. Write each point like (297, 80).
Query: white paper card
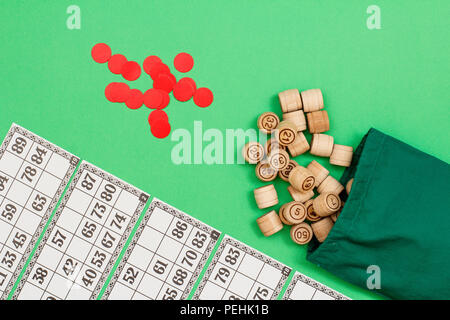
(33, 175)
(84, 239)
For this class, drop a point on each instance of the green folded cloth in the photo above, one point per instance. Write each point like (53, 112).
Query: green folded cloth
(396, 218)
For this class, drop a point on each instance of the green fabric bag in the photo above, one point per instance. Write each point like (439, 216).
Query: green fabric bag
(396, 217)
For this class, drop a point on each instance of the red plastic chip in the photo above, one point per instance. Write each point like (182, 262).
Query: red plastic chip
(157, 115)
(108, 91)
(166, 99)
(157, 68)
(101, 52)
(131, 70)
(183, 91)
(135, 99)
(116, 63)
(119, 91)
(165, 82)
(203, 97)
(190, 81)
(148, 63)
(153, 98)
(183, 62)
(160, 128)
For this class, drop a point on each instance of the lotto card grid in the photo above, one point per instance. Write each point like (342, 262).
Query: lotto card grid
(239, 272)
(302, 287)
(33, 175)
(84, 239)
(165, 258)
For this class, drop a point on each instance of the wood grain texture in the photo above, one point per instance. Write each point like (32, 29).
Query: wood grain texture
(253, 152)
(299, 146)
(300, 196)
(322, 228)
(266, 196)
(330, 184)
(301, 233)
(265, 172)
(296, 117)
(302, 179)
(321, 145)
(326, 204)
(267, 122)
(341, 155)
(290, 100)
(312, 100)
(318, 121)
(319, 172)
(269, 223)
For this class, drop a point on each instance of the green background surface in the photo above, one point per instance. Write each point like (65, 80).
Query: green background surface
(394, 79)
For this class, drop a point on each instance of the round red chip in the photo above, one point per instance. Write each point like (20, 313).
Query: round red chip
(183, 62)
(119, 92)
(190, 81)
(116, 63)
(135, 99)
(160, 128)
(157, 115)
(131, 70)
(165, 81)
(108, 91)
(153, 98)
(101, 52)
(158, 68)
(203, 97)
(183, 91)
(149, 61)
(166, 99)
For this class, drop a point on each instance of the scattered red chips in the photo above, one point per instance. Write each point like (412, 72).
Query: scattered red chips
(160, 128)
(203, 97)
(148, 62)
(135, 99)
(101, 52)
(165, 82)
(116, 63)
(183, 91)
(131, 70)
(157, 115)
(153, 98)
(183, 62)
(158, 68)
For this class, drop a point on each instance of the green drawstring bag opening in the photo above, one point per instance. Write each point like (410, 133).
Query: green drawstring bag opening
(396, 220)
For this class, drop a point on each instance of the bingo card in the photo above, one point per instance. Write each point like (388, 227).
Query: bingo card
(33, 175)
(165, 258)
(83, 241)
(239, 272)
(305, 288)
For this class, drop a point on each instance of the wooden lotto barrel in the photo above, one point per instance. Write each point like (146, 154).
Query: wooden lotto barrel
(266, 196)
(269, 223)
(290, 100)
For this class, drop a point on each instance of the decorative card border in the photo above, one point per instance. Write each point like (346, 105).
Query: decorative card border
(73, 164)
(285, 270)
(312, 283)
(156, 203)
